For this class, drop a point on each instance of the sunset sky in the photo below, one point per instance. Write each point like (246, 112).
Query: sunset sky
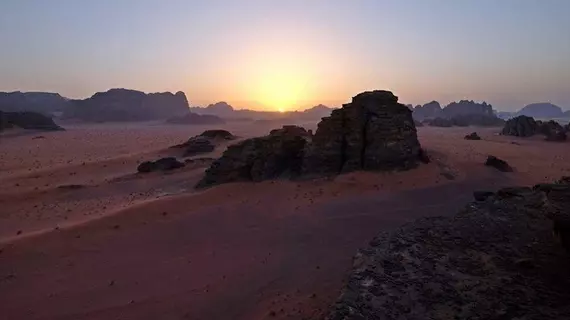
(291, 54)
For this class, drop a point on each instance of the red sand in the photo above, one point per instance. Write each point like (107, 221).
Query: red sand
(145, 247)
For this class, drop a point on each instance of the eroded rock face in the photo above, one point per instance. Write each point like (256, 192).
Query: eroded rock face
(276, 155)
(373, 132)
(494, 260)
(521, 126)
(27, 120)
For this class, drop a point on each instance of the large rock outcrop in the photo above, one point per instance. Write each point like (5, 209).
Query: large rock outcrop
(521, 126)
(128, 105)
(494, 260)
(279, 154)
(204, 142)
(373, 132)
(27, 120)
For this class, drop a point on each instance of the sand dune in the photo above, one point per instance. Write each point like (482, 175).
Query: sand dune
(134, 246)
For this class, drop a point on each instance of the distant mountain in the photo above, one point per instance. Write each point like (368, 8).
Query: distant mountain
(226, 111)
(128, 105)
(27, 120)
(542, 110)
(467, 107)
(430, 110)
(43, 102)
(194, 118)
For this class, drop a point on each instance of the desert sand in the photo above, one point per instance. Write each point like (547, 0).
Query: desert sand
(83, 236)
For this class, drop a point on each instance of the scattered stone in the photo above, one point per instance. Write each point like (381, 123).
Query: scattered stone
(38, 137)
(521, 126)
(472, 136)
(163, 164)
(498, 164)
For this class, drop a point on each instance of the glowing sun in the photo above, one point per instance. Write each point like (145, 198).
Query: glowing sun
(280, 90)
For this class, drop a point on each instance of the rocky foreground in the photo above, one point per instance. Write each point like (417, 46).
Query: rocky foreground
(496, 259)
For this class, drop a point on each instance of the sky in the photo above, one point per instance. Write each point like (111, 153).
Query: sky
(286, 55)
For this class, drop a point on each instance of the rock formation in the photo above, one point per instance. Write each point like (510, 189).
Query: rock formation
(478, 120)
(27, 120)
(498, 164)
(128, 105)
(472, 136)
(194, 118)
(521, 126)
(494, 260)
(373, 132)
(163, 164)
(41, 102)
(278, 154)
(205, 142)
(552, 130)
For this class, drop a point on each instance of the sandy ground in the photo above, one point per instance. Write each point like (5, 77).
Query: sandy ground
(131, 246)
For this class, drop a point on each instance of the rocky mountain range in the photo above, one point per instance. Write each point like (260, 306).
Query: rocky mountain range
(46, 103)
(224, 110)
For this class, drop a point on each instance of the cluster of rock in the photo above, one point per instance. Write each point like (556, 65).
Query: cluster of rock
(496, 259)
(523, 126)
(128, 105)
(279, 154)
(373, 132)
(27, 120)
(204, 142)
(194, 118)
(163, 164)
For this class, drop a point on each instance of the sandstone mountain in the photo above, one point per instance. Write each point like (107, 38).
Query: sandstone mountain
(43, 102)
(224, 110)
(128, 105)
(542, 110)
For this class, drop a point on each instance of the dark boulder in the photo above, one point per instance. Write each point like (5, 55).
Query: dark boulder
(27, 120)
(472, 136)
(198, 145)
(482, 195)
(498, 164)
(279, 154)
(553, 131)
(163, 164)
(218, 134)
(521, 126)
(373, 132)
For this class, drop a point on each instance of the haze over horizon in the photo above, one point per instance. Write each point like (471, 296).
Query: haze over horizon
(287, 56)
